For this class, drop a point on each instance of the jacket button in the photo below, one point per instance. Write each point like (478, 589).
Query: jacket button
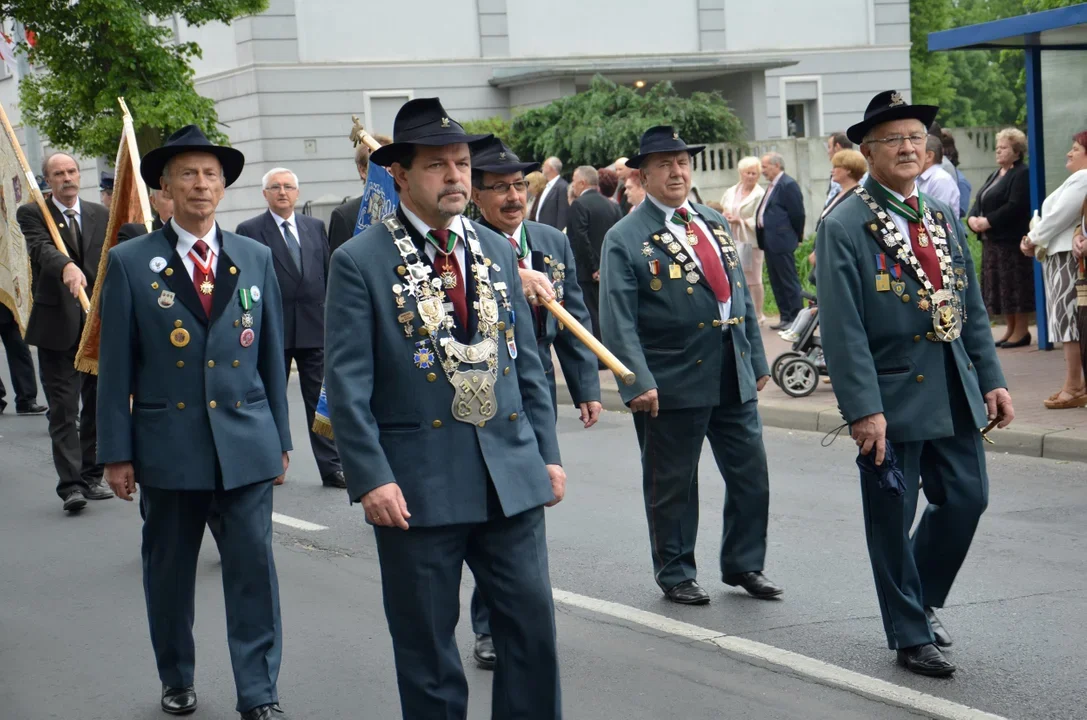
(917, 338)
(423, 332)
(235, 363)
(506, 371)
(169, 272)
(513, 416)
(905, 297)
(237, 323)
(701, 325)
(743, 353)
(501, 325)
(181, 406)
(930, 336)
(697, 362)
(690, 291)
(717, 323)
(238, 404)
(920, 378)
(482, 423)
(969, 366)
(211, 363)
(431, 377)
(436, 424)
(177, 323)
(211, 404)
(181, 363)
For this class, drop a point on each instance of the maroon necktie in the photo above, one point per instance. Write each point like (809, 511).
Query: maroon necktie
(711, 261)
(444, 263)
(202, 273)
(926, 255)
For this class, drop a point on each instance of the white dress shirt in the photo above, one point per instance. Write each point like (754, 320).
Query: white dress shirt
(516, 235)
(185, 242)
(936, 183)
(78, 210)
(766, 198)
(457, 226)
(680, 233)
(543, 195)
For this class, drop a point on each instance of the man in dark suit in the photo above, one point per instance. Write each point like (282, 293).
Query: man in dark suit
(779, 227)
(551, 206)
(21, 366)
(300, 248)
(164, 210)
(192, 328)
(341, 226)
(591, 216)
(56, 324)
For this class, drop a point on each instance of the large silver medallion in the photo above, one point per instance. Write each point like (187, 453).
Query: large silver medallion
(473, 399)
(946, 316)
(431, 311)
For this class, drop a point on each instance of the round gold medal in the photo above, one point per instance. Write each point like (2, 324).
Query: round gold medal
(179, 337)
(655, 284)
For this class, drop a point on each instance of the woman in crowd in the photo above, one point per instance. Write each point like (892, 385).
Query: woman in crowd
(608, 182)
(1051, 241)
(740, 202)
(1001, 217)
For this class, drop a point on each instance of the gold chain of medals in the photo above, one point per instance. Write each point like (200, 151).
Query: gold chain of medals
(948, 313)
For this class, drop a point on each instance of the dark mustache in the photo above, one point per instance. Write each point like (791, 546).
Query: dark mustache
(453, 190)
(513, 206)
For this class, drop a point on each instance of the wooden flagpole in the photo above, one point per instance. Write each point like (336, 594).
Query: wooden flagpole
(36, 193)
(134, 158)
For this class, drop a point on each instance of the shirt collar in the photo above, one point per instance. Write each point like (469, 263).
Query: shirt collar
(670, 211)
(422, 228)
(516, 234)
(186, 240)
(60, 206)
(552, 181)
(279, 221)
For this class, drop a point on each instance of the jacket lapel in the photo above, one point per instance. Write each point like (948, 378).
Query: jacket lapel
(177, 278)
(273, 238)
(225, 281)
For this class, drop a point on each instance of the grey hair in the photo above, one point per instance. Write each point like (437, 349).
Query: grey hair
(775, 158)
(276, 171)
(935, 146)
(554, 163)
(589, 174)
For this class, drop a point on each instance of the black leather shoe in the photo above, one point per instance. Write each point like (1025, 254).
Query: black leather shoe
(265, 712)
(178, 701)
(97, 491)
(74, 502)
(334, 479)
(484, 652)
(943, 637)
(781, 325)
(1021, 342)
(756, 585)
(925, 660)
(31, 409)
(687, 592)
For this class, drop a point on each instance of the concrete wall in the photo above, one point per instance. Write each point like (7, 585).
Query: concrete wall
(1064, 109)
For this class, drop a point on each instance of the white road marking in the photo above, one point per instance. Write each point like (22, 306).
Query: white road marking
(296, 523)
(795, 663)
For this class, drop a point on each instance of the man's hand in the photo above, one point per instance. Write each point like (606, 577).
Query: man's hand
(1079, 244)
(74, 278)
(998, 403)
(286, 463)
(537, 287)
(122, 479)
(590, 413)
(761, 382)
(646, 402)
(871, 433)
(1026, 246)
(558, 484)
(385, 506)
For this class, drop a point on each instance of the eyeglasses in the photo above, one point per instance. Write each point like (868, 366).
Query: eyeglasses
(277, 188)
(503, 188)
(896, 141)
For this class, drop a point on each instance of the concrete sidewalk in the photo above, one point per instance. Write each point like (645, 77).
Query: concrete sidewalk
(1032, 376)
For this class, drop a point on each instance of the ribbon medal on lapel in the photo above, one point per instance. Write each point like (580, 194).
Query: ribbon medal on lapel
(246, 298)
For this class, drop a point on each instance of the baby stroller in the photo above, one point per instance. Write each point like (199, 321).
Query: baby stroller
(797, 371)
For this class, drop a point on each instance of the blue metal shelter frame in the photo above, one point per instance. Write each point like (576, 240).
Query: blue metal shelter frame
(1059, 29)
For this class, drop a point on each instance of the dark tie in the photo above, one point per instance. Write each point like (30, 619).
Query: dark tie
(517, 250)
(926, 255)
(292, 245)
(202, 273)
(711, 261)
(73, 230)
(448, 263)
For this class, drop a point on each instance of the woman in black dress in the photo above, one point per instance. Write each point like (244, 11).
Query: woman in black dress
(1000, 217)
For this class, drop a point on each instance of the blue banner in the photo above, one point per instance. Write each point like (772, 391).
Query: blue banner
(378, 199)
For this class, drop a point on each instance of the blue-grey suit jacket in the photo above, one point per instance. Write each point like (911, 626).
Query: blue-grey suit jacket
(210, 401)
(394, 420)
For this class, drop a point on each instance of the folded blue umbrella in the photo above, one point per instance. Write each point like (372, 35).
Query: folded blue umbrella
(888, 475)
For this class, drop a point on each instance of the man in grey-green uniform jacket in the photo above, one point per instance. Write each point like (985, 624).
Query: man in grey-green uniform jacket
(911, 356)
(673, 308)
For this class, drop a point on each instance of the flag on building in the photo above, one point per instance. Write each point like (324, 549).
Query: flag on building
(130, 204)
(15, 293)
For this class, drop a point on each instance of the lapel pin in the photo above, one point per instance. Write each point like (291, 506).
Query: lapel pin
(157, 264)
(166, 300)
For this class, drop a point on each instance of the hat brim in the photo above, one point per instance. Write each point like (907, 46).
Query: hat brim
(153, 163)
(925, 113)
(636, 161)
(388, 154)
(509, 168)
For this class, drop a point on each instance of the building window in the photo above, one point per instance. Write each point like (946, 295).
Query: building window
(796, 117)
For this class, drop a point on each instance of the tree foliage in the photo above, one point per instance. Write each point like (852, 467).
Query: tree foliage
(91, 52)
(606, 121)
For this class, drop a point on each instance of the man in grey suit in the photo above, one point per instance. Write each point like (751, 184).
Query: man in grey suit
(552, 205)
(446, 428)
(192, 328)
(56, 325)
(779, 228)
(299, 246)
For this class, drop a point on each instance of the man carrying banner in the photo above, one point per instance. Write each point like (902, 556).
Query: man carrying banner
(346, 220)
(192, 325)
(445, 427)
(164, 210)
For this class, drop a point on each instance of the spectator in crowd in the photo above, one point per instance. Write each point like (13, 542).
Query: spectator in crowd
(779, 226)
(341, 226)
(835, 144)
(609, 183)
(951, 153)
(105, 188)
(936, 131)
(847, 169)
(552, 204)
(634, 194)
(934, 180)
(624, 172)
(21, 367)
(1050, 240)
(1000, 218)
(591, 216)
(536, 182)
(740, 203)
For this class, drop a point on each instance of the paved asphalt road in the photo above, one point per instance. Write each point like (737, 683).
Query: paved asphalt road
(73, 633)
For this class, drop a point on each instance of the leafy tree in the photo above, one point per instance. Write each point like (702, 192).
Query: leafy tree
(91, 52)
(606, 121)
(930, 73)
(497, 126)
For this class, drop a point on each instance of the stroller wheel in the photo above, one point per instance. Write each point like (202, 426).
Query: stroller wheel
(779, 362)
(799, 377)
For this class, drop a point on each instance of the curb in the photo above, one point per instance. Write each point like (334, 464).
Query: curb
(1066, 444)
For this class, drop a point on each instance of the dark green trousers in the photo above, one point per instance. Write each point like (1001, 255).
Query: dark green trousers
(671, 445)
(912, 573)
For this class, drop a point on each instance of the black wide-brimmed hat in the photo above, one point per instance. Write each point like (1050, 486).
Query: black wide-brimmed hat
(190, 139)
(661, 139)
(888, 106)
(422, 122)
(493, 156)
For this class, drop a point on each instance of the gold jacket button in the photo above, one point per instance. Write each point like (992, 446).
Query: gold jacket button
(743, 353)
(697, 362)
(717, 323)
(177, 323)
(211, 404)
(930, 336)
(238, 404)
(905, 297)
(211, 363)
(436, 424)
(169, 272)
(690, 291)
(233, 270)
(701, 325)
(235, 363)
(181, 363)
(482, 423)
(431, 377)
(969, 366)
(506, 371)
(920, 378)
(917, 338)
(513, 416)
(181, 406)
(501, 325)
(237, 323)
